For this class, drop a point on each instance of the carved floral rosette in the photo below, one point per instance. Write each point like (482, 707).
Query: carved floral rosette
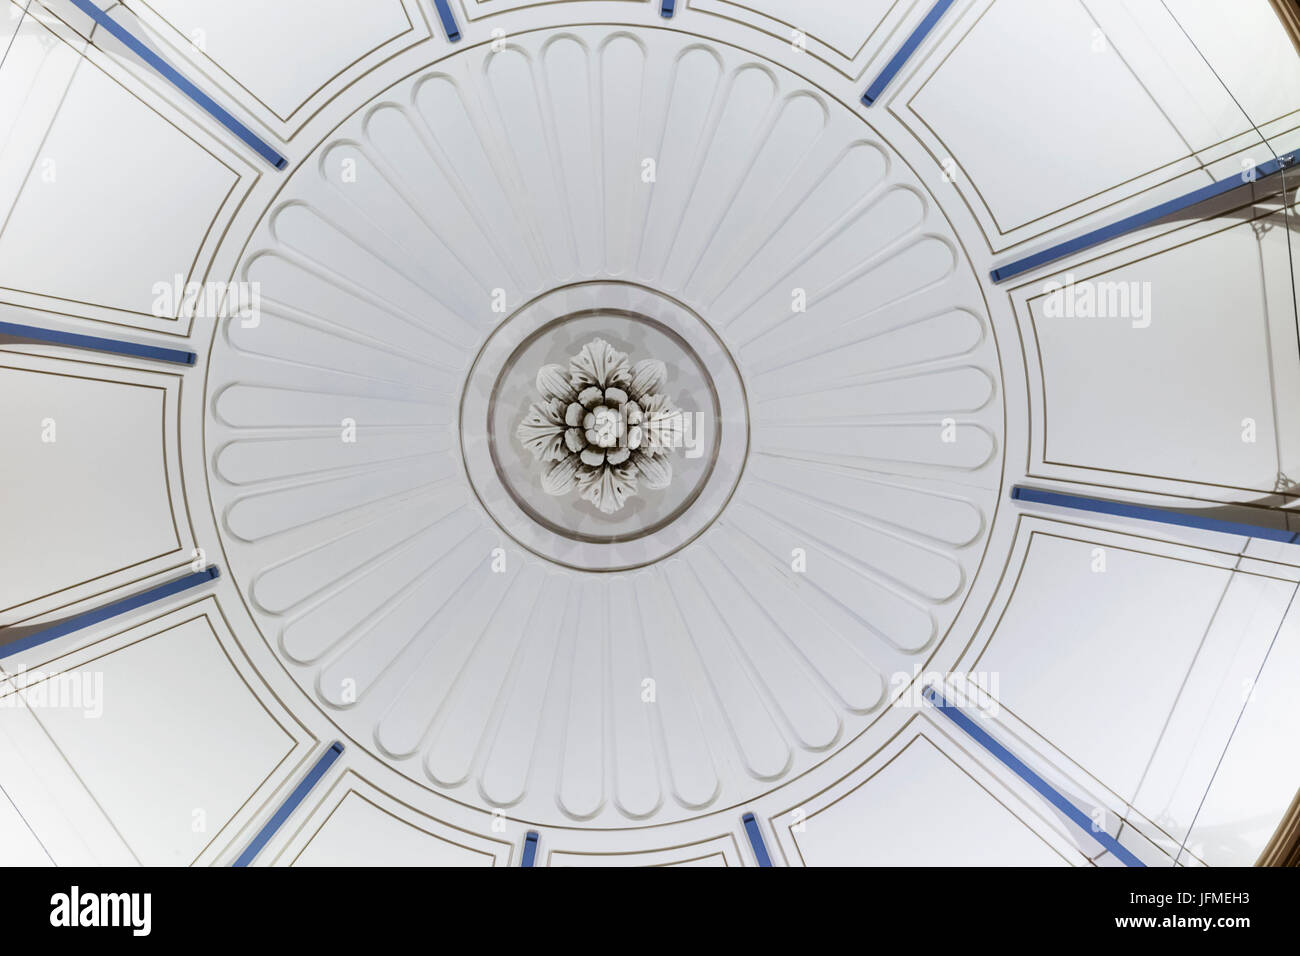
(602, 426)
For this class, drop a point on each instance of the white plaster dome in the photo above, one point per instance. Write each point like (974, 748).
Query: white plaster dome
(830, 328)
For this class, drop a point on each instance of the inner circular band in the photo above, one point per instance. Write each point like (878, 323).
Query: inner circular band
(484, 422)
(503, 473)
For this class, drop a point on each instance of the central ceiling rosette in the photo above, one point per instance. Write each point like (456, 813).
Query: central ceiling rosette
(602, 426)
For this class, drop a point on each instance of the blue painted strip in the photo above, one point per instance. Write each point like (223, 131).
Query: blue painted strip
(530, 849)
(170, 74)
(756, 839)
(90, 618)
(1138, 220)
(290, 804)
(1144, 513)
(905, 52)
(448, 21)
(115, 346)
(667, 9)
(1050, 793)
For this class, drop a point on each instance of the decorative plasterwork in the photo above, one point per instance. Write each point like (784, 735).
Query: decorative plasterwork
(602, 426)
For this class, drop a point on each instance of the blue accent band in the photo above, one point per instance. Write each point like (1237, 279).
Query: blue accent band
(1137, 220)
(169, 73)
(37, 334)
(90, 618)
(1045, 789)
(290, 804)
(905, 52)
(756, 839)
(448, 21)
(1144, 513)
(530, 849)
(667, 9)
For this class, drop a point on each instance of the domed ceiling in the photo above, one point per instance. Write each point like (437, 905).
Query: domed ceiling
(625, 433)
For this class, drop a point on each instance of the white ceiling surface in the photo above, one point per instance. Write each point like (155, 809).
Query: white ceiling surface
(1122, 682)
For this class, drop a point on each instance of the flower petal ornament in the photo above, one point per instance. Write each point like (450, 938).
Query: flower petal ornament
(602, 426)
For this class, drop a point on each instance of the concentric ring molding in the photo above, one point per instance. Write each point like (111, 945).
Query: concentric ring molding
(367, 564)
(715, 395)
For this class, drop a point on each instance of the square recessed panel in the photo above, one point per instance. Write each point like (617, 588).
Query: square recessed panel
(1251, 53)
(359, 832)
(1160, 374)
(1032, 114)
(84, 476)
(719, 851)
(283, 52)
(179, 747)
(116, 201)
(1205, 723)
(1257, 781)
(844, 27)
(1093, 661)
(921, 809)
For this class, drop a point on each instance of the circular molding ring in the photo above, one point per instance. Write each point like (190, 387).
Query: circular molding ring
(718, 437)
